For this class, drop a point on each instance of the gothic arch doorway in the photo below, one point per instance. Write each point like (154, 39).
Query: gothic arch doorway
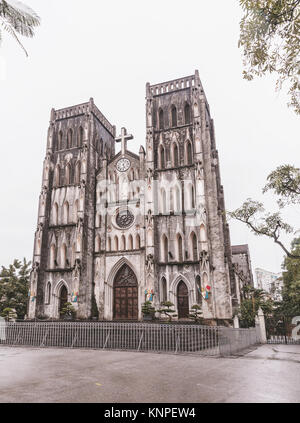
(63, 298)
(125, 294)
(182, 300)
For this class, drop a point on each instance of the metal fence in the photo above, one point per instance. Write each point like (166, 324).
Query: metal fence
(283, 339)
(203, 340)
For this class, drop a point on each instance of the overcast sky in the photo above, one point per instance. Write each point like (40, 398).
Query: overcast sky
(108, 50)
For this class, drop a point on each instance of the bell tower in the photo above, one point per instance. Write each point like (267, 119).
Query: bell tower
(79, 139)
(185, 201)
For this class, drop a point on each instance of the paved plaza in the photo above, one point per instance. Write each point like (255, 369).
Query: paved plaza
(269, 373)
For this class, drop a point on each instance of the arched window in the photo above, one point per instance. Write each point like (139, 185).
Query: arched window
(172, 200)
(198, 290)
(202, 233)
(109, 244)
(55, 214)
(80, 137)
(193, 247)
(68, 174)
(163, 201)
(189, 153)
(161, 119)
(162, 160)
(130, 243)
(70, 138)
(66, 213)
(56, 181)
(97, 244)
(178, 199)
(175, 155)
(187, 114)
(174, 116)
(77, 173)
(137, 242)
(163, 290)
(48, 294)
(60, 141)
(116, 242)
(164, 249)
(75, 211)
(191, 197)
(123, 243)
(52, 256)
(63, 256)
(179, 248)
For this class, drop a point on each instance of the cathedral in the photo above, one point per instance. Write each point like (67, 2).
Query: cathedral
(115, 230)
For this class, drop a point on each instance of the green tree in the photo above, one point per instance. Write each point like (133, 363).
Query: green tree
(290, 304)
(14, 287)
(253, 299)
(269, 37)
(17, 20)
(196, 314)
(285, 183)
(167, 310)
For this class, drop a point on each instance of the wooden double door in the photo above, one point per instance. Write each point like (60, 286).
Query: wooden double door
(125, 294)
(182, 300)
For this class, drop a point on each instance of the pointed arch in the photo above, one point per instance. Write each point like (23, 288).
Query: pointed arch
(164, 248)
(179, 248)
(163, 290)
(173, 116)
(63, 256)
(177, 199)
(193, 247)
(203, 237)
(175, 155)
(52, 256)
(60, 141)
(123, 243)
(109, 243)
(163, 201)
(161, 157)
(137, 242)
(97, 244)
(187, 113)
(70, 138)
(189, 153)
(198, 290)
(48, 293)
(130, 242)
(56, 181)
(55, 214)
(66, 213)
(68, 174)
(161, 119)
(116, 243)
(77, 172)
(80, 136)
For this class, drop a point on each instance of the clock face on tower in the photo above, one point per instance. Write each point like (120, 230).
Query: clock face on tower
(123, 165)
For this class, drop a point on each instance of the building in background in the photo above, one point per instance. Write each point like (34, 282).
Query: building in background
(270, 282)
(241, 263)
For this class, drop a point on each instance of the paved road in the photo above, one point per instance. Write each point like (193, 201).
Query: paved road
(269, 373)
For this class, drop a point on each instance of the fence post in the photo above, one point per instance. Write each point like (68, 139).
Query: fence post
(260, 322)
(236, 323)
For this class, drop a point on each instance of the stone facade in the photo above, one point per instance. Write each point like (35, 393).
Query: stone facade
(116, 229)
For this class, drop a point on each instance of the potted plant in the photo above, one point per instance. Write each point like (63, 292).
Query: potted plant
(148, 310)
(68, 312)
